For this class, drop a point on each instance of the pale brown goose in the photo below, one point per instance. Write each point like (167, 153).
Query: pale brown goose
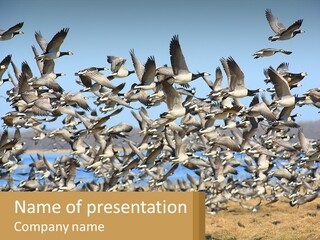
(118, 67)
(182, 75)
(284, 97)
(48, 77)
(237, 88)
(86, 80)
(3, 67)
(164, 72)
(257, 108)
(292, 78)
(88, 74)
(305, 144)
(282, 33)
(51, 49)
(145, 73)
(215, 86)
(282, 69)
(305, 198)
(267, 52)
(174, 102)
(312, 97)
(11, 32)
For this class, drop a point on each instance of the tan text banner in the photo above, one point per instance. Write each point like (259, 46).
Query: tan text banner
(149, 215)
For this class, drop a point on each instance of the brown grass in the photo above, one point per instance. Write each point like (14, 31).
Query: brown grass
(276, 221)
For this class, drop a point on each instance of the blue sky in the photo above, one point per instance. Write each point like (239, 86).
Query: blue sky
(208, 30)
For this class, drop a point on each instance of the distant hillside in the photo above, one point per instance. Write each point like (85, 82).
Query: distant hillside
(311, 129)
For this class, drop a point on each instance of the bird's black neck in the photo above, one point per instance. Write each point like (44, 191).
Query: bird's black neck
(64, 53)
(195, 76)
(252, 92)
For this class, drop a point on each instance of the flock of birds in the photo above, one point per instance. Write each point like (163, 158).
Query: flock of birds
(256, 139)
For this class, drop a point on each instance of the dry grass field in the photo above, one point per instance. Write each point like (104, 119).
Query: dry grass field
(275, 221)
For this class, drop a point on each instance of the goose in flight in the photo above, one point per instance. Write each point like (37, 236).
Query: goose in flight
(174, 102)
(118, 67)
(182, 75)
(3, 67)
(92, 73)
(235, 75)
(11, 32)
(282, 33)
(51, 49)
(146, 73)
(86, 80)
(267, 52)
(284, 96)
(216, 88)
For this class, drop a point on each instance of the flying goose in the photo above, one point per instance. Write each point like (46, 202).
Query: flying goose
(302, 199)
(180, 151)
(226, 142)
(95, 75)
(237, 87)
(51, 49)
(282, 33)
(214, 86)
(118, 67)
(306, 144)
(257, 108)
(312, 96)
(146, 73)
(164, 72)
(3, 67)
(292, 78)
(174, 102)
(86, 80)
(284, 97)
(112, 100)
(48, 77)
(182, 75)
(31, 185)
(267, 52)
(253, 208)
(11, 32)
(282, 69)
(76, 100)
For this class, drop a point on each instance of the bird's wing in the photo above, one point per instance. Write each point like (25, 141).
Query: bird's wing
(283, 68)
(100, 78)
(86, 80)
(138, 67)
(217, 82)
(149, 72)
(14, 28)
(274, 22)
(116, 62)
(57, 40)
(41, 41)
(280, 84)
(48, 67)
(173, 97)
(36, 56)
(296, 25)
(226, 69)
(235, 69)
(178, 62)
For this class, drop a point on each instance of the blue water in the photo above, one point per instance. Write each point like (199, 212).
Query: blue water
(22, 172)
